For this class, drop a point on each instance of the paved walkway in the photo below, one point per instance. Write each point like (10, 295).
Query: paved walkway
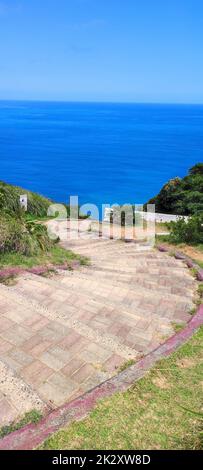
(63, 335)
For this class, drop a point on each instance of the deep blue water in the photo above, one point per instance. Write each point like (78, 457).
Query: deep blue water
(104, 153)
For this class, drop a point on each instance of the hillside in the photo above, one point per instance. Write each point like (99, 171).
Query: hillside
(9, 200)
(182, 196)
(24, 241)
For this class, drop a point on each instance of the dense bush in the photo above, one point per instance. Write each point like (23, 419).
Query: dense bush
(182, 196)
(187, 232)
(27, 238)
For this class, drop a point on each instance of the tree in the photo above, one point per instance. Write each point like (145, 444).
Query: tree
(196, 169)
(182, 196)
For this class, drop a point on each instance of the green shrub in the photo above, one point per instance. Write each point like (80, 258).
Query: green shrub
(182, 196)
(33, 416)
(17, 235)
(187, 232)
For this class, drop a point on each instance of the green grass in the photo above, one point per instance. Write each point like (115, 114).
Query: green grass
(9, 200)
(200, 263)
(178, 326)
(162, 226)
(31, 417)
(162, 238)
(200, 290)
(56, 255)
(33, 218)
(126, 364)
(155, 413)
(166, 239)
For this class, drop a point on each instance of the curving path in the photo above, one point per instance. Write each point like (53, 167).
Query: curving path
(63, 335)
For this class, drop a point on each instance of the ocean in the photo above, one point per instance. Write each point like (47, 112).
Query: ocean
(105, 153)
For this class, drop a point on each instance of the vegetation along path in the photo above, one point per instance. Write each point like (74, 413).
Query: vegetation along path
(63, 335)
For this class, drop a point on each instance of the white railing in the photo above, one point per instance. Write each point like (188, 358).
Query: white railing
(161, 218)
(148, 216)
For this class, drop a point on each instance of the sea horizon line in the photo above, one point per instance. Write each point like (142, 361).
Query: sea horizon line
(105, 102)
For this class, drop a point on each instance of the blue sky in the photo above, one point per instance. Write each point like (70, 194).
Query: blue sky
(102, 50)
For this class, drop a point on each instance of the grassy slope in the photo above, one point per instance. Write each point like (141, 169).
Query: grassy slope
(37, 211)
(9, 200)
(56, 256)
(150, 415)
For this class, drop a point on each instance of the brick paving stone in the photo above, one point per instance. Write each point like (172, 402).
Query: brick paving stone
(33, 319)
(50, 334)
(16, 334)
(11, 362)
(90, 357)
(39, 324)
(18, 315)
(20, 356)
(4, 306)
(95, 379)
(143, 324)
(101, 353)
(77, 347)
(60, 380)
(85, 316)
(183, 316)
(115, 328)
(83, 373)
(124, 331)
(7, 412)
(5, 346)
(59, 328)
(70, 339)
(55, 358)
(97, 325)
(113, 363)
(107, 322)
(29, 344)
(5, 324)
(54, 394)
(36, 373)
(39, 348)
(72, 366)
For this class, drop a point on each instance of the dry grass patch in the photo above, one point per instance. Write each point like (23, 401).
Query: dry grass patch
(193, 252)
(161, 382)
(186, 362)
